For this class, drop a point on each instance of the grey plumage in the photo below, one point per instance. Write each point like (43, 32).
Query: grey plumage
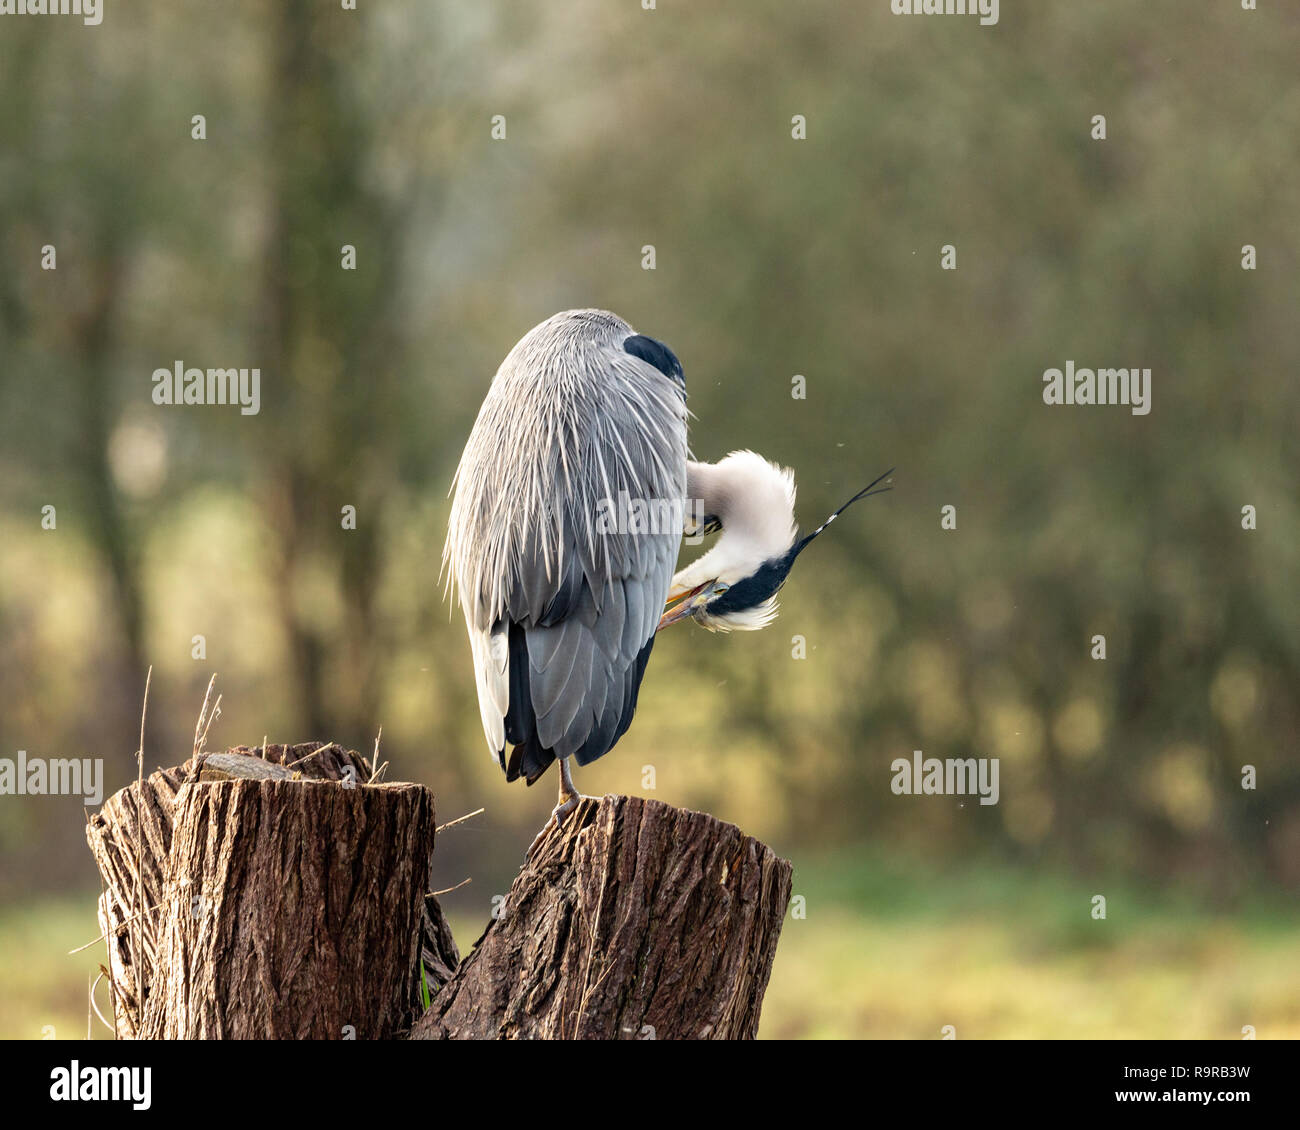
(561, 610)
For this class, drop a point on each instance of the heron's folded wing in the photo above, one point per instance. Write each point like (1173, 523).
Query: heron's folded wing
(570, 534)
(585, 673)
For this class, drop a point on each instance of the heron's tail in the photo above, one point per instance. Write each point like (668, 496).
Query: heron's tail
(529, 758)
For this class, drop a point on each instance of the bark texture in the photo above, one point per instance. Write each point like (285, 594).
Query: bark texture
(127, 831)
(284, 897)
(292, 911)
(635, 921)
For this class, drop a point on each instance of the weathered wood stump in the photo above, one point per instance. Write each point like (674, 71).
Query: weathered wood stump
(291, 911)
(284, 897)
(636, 920)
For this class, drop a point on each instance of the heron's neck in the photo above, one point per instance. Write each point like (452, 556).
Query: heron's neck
(754, 502)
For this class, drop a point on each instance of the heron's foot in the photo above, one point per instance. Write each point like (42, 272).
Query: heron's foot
(556, 820)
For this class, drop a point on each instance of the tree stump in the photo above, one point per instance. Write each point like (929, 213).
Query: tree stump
(636, 920)
(291, 911)
(285, 898)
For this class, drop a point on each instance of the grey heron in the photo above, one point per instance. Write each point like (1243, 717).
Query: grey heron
(562, 606)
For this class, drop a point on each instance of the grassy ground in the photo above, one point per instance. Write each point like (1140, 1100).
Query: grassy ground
(891, 952)
(45, 987)
(899, 953)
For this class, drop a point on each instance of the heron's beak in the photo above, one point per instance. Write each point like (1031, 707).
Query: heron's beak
(688, 603)
(676, 592)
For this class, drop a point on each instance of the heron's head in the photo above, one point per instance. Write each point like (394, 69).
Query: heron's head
(590, 341)
(733, 587)
(741, 605)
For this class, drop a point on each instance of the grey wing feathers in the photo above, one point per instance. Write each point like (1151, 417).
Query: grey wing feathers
(562, 610)
(584, 673)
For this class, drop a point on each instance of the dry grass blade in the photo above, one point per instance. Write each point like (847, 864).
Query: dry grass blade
(137, 895)
(304, 757)
(461, 819)
(94, 1007)
(116, 930)
(206, 717)
(375, 768)
(102, 974)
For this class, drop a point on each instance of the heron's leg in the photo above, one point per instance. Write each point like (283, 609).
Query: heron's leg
(569, 796)
(568, 801)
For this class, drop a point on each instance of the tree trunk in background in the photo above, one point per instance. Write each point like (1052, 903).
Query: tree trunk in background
(287, 898)
(636, 921)
(330, 338)
(92, 336)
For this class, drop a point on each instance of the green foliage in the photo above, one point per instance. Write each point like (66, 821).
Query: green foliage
(774, 258)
